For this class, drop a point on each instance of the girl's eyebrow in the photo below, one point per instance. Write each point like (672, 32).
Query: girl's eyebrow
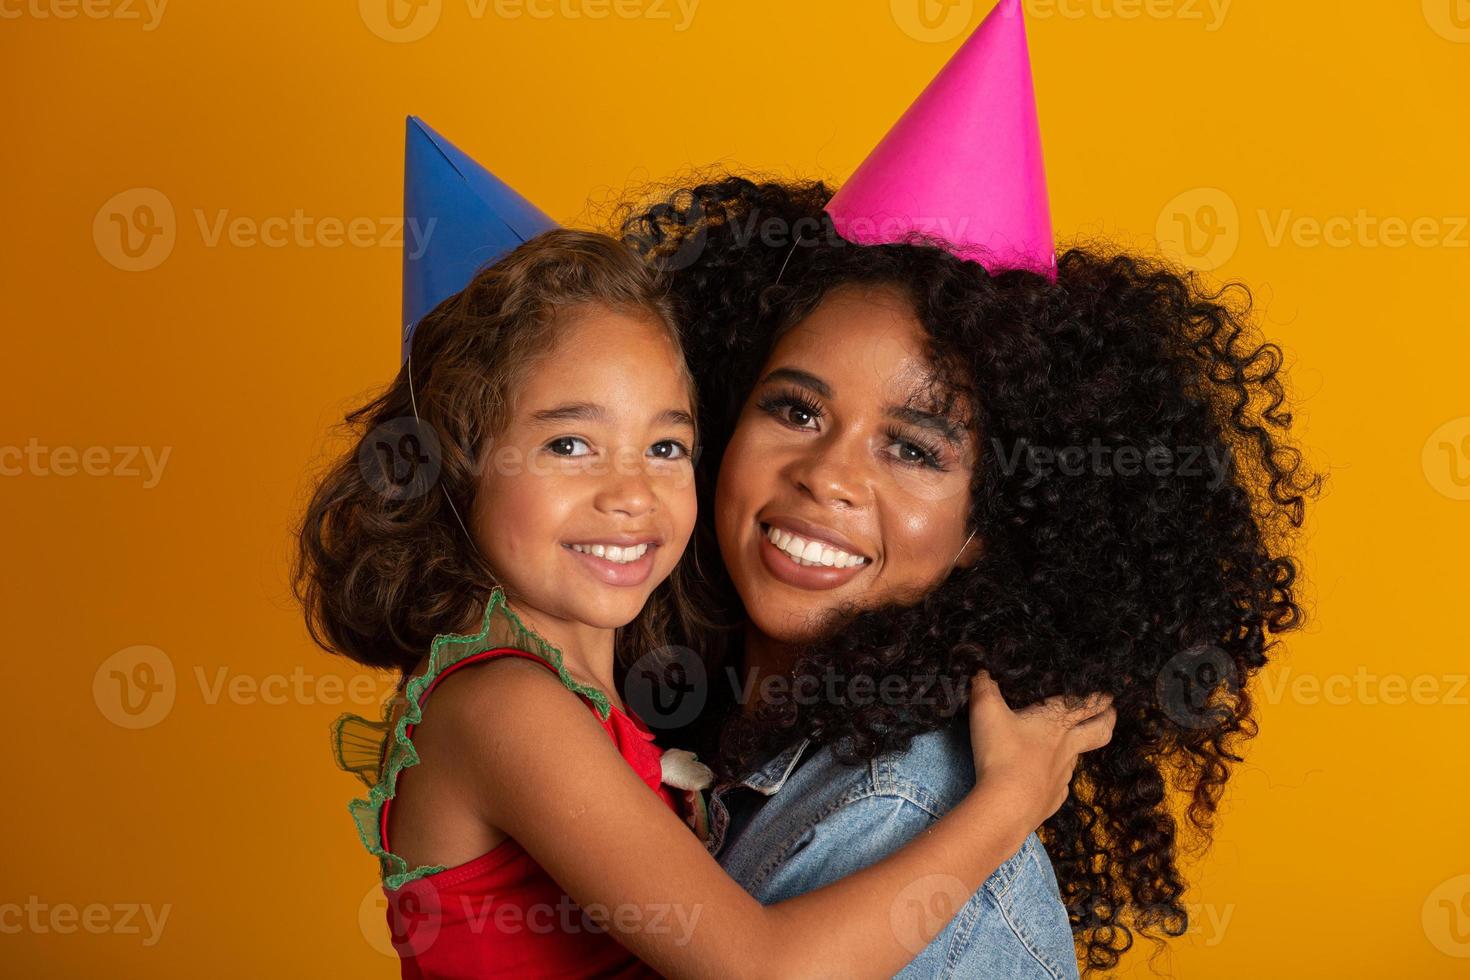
(592, 412)
(569, 412)
(674, 416)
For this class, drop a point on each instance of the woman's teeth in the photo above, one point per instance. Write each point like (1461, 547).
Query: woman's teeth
(613, 552)
(805, 552)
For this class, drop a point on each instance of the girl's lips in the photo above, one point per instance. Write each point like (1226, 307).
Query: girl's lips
(624, 574)
(812, 577)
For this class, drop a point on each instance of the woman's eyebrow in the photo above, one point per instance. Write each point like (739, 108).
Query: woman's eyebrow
(799, 377)
(941, 424)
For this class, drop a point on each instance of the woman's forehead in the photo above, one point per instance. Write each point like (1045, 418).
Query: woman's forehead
(865, 341)
(851, 326)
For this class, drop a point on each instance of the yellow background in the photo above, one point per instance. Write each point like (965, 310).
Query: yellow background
(1343, 848)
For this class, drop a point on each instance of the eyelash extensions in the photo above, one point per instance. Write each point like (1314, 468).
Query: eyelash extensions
(774, 403)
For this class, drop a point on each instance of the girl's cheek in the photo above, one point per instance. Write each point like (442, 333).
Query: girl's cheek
(677, 483)
(684, 506)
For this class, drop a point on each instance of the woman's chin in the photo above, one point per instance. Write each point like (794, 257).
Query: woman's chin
(786, 622)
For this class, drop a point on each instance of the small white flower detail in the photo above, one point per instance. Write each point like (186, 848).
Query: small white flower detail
(682, 770)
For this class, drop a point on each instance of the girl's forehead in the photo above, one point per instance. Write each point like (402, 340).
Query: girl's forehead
(609, 360)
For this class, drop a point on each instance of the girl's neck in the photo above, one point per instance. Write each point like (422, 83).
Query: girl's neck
(765, 658)
(586, 651)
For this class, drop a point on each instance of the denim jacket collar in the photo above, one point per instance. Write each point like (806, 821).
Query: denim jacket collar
(768, 779)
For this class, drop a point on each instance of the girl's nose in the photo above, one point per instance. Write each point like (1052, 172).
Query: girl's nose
(626, 489)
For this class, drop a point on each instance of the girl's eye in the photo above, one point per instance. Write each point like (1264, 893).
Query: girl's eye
(563, 446)
(669, 449)
(791, 407)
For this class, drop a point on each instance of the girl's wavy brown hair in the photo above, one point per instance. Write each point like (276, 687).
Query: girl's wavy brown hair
(383, 562)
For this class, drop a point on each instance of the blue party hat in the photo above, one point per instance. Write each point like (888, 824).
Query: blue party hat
(463, 217)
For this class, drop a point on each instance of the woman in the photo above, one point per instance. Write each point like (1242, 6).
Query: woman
(1116, 443)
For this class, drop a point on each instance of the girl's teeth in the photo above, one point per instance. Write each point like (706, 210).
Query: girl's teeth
(810, 553)
(613, 553)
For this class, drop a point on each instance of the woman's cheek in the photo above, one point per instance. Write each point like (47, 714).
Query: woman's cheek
(914, 550)
(930, 490)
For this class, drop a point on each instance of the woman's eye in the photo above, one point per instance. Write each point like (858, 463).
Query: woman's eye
(669, 449)
(916, 453)
(565, 446)
(791, 408)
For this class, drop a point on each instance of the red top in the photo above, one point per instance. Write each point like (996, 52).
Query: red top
(501, 914)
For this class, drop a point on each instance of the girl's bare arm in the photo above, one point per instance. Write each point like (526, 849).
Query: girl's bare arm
(545, 772)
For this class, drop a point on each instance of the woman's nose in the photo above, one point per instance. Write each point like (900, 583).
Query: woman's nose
(830, 473)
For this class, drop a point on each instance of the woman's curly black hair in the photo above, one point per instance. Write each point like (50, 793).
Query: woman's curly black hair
(1136, 494)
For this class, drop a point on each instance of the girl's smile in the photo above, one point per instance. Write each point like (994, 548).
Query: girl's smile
(621, 559)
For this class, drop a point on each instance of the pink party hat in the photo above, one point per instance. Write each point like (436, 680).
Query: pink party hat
(964, 163)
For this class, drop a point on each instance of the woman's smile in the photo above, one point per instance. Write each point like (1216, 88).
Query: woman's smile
(807, 562)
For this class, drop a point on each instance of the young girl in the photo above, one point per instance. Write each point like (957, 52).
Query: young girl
(550, 403)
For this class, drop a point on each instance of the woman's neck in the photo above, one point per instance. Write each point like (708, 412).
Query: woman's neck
(765, 658)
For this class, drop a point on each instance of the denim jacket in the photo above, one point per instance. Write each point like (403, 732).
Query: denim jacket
(805, 820)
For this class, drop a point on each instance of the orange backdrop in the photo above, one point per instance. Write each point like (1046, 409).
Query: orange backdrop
(202, 273)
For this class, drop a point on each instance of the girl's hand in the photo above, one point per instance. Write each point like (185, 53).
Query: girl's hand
(1030, 755)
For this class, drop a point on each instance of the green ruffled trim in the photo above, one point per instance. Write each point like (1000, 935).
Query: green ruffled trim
(350, 731)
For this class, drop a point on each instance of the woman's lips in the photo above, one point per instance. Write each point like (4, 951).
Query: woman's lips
(813, 577)
(811, 532)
